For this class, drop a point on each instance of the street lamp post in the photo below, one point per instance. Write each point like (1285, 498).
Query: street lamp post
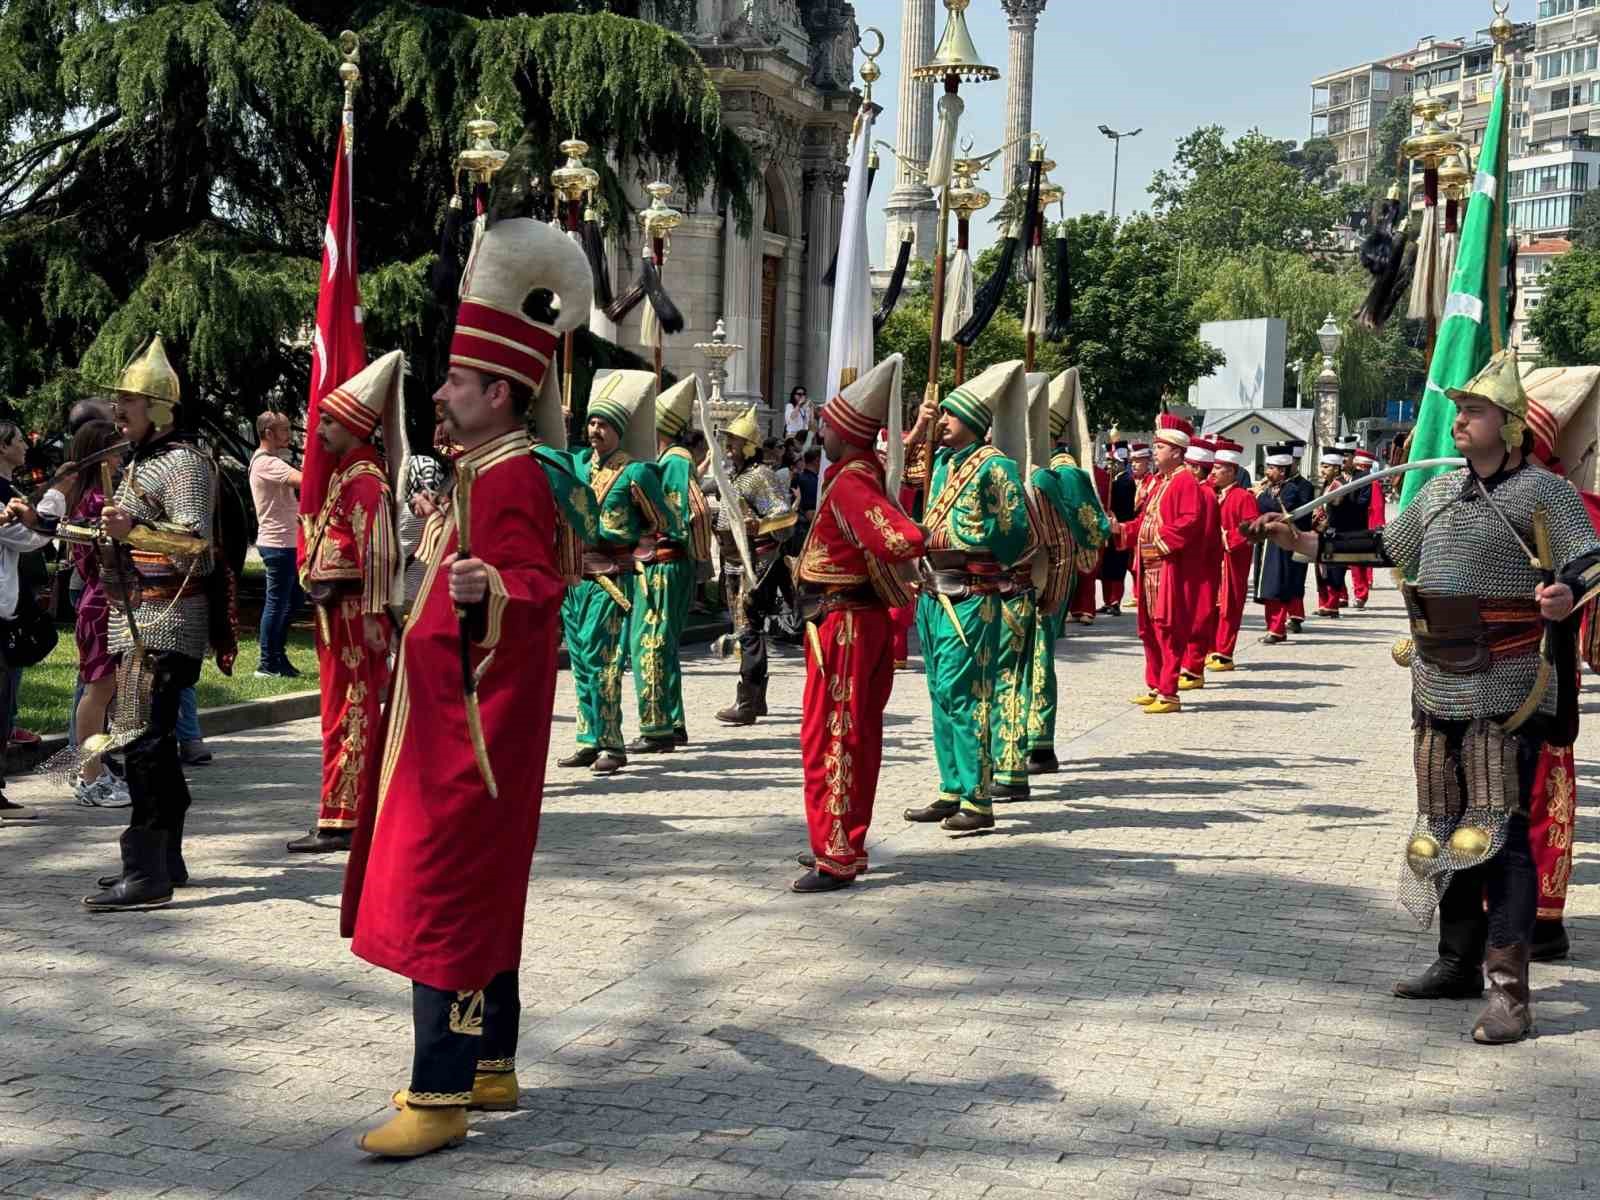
(1297, 369)
(1329, 336)
(1116, 159)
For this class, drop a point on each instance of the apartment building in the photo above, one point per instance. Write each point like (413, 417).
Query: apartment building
(1548, 183)
(1534, 260)
(1348, 106)
(1565, 82)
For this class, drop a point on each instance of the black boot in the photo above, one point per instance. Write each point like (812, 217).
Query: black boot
(584, 756)
(1457, 974)
(937, 811)
(177, 869)
(645, 745)
(1042, 762)
(609, 762)
(322, 841)
(1508, 1017)
(1009, 791)
(1549, 941)
(819, 881)
(144, 882)
(680, 736)
(968, 821)
(737, 714)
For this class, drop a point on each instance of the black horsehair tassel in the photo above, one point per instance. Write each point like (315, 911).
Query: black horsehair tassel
(666, 311)
(594, 247)
(1389, 258)
(444, 281)
(987, 302)
(1061, 315)
(891, 294)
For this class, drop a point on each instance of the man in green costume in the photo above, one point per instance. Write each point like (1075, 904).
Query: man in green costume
(665, 580)
(1066, 491)
(1038, 580)
(977, 525)
(594, 615)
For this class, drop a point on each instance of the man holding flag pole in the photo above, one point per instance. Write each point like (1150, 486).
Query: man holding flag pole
(1499, 557)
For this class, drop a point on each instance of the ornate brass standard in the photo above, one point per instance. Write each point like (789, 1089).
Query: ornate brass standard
(574, 183)
(954, 59)
(658, 221)
(965, 198)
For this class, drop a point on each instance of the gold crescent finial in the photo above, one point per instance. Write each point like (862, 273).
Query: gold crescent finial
(861, 41)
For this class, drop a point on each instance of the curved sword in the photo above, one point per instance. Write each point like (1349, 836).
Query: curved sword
(727, 492)
(1355, 485)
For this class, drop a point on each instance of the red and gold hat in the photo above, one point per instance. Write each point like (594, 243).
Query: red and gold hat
(360, 401)
(1202, 452)
(1138, 450)
(512, 259)
(1229, 453)
(1173, 430)
(862, 407)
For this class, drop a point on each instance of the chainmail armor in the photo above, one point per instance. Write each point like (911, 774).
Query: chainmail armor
(1455, 546)
(173, 487)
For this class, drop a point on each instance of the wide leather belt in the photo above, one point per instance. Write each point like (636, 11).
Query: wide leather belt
(958, 585)
(657, 550)
(960, 560)
(816, 603)
(1462, 635)
(607, 562)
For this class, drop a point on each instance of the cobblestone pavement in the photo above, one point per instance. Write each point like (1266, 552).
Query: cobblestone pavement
(1166, 974)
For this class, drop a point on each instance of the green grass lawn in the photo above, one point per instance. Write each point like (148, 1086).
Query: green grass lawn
(47, 688)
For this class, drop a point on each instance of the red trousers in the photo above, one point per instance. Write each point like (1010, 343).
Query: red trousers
(1200, 642)
(1550, 817)
(1082, 604)
(1297, 609)
(1361, 582)
(1111, 590)
(901, 620)
(353, 678)
(841, 733)
(1230, 603)
(1278, 614)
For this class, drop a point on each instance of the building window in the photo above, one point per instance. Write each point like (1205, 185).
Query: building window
(1479, 62)
(1380, 80)
(1360, 114)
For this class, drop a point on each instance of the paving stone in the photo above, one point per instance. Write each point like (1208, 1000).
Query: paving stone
(1166, 973)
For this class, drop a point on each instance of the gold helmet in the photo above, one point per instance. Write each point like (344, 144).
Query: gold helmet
(150, 375)
(744, 427)
(1500, 383)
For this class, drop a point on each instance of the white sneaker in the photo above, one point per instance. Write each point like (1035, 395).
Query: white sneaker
(87, 793)
(115, 794)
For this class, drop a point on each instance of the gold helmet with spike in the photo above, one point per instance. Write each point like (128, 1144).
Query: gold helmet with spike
(151, 376)
(744, 427)
(1500, 383)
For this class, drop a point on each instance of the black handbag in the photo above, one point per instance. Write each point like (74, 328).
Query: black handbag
(29, 636)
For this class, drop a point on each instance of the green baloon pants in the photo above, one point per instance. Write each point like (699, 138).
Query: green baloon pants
(961, 686)
(1013, 689)
(1042, 681)
(661, 597)
(596, 629)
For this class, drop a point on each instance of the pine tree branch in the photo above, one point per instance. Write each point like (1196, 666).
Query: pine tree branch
(78, 139)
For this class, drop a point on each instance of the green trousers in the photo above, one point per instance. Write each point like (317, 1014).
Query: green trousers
(1042, 680)
(961, 686)
(596, 631)
(1013, 689)
(661, 597)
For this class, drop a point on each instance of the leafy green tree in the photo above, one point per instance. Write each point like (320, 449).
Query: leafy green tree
(1374, 368)
(1131, 331)
(1393, 128)
(1228, 197)
(1567, 321)
(166, 165)
(1586, 221)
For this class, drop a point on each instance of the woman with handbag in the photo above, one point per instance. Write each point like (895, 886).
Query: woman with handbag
(20, 615)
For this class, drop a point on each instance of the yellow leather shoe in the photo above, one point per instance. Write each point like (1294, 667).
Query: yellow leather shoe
(1147, 698)
(1217, 663)
(1161, 707)
(491, 1092)
(413, 1132)
(1191, 683)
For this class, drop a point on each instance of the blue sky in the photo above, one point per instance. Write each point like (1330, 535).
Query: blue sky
(1168, 66)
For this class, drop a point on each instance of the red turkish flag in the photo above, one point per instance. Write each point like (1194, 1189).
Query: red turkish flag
(339, 345)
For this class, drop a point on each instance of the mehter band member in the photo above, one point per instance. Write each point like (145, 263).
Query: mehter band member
(351, 573)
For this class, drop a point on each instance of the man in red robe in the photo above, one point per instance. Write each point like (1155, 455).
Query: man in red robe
(1169, 557)
(1377, 518)
(351, 572)
(848, 587)
(438, 875)
(1198, 460)
(1236, 505)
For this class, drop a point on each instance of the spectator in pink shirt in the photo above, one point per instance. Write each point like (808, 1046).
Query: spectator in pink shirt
(273, 487)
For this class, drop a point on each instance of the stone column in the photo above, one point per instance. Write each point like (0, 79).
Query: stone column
(1023, 19)
(911, 202)
(741, 278)
(822, 231)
